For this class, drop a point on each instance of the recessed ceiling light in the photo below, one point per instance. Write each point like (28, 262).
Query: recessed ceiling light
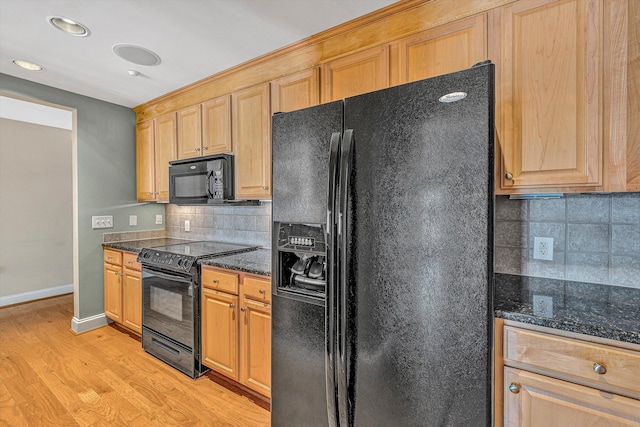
(28, 65)
(69, 26)
(136, 54)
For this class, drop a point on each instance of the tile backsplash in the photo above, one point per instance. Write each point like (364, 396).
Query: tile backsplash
(249, 225)
(596, 237)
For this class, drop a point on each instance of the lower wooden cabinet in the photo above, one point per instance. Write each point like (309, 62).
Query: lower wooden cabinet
(236, 327)
(538, 400)
(123, 289)
(555, 378)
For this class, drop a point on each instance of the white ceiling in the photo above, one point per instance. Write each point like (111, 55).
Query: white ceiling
(194, 39)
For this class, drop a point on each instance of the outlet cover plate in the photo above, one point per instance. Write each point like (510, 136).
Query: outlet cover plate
(543, 248)
(158, 219)
(542, 306)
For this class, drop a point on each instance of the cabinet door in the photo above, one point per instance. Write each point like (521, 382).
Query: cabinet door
(355, 74)
(189, 132)
(132, 300)
(548, 94)
(255, 354)
(220, 332)
(537, 400)
(444, 49)
(165, 132)
(296, 91)
(113, 292)
(216, 126)
(252, 142)
(145, 161)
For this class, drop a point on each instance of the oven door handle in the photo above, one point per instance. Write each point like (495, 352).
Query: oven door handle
(168, 276)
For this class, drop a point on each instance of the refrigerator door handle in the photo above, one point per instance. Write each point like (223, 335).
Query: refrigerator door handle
(342, 303)
(330, 289)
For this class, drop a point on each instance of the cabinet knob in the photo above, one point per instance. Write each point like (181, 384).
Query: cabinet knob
(262, 291)
(197, 149)
(264, 187)
(599, 368)
(215, 281)
(508, 175)
(514, 388)
(232, 305)
(204, 148)
(243, 309)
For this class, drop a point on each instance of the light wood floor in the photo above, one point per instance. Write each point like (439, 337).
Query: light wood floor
(51, 377)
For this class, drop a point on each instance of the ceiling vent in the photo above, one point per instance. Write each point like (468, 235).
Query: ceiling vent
(136, 54)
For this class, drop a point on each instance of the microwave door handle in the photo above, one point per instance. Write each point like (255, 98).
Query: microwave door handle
(209, 192)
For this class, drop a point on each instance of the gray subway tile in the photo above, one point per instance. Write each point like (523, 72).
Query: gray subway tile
(588, 237)
(588, 208)
(510, 260)
(587, 267)
(244, 222)
(511, 210)
(548, 229)
(625, 208)
(511, 233)
(625, 271)
(547, 210)
(263, 223)
(625, 239)
(542, 268)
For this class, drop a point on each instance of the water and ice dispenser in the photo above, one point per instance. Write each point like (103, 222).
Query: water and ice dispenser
(301, 259)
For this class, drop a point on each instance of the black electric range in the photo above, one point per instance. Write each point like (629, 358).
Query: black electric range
(171, 301)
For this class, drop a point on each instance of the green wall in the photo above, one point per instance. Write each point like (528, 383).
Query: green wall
(106, 179)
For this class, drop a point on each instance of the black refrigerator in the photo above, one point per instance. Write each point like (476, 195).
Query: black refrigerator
(382, 257)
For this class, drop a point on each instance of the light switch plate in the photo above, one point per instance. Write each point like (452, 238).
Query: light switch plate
(105, 221)
(133, 219)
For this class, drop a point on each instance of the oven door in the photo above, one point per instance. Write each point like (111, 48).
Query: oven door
(169, 304)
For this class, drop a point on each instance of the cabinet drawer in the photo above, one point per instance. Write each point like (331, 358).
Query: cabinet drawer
(214, 279)
(257, 289)
(112, 257)
(573, 359)
(129, 261)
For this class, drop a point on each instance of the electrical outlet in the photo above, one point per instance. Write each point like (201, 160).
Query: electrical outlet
(542, 306)
(158, 219)
(102, 221)
(133, 219)
(543, 248)
(187, 227)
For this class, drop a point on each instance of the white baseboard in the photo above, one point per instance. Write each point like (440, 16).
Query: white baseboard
(34, 295)
(88, 323)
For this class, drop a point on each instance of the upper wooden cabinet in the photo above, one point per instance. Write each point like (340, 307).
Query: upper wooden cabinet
(189, 132)
(296, 91)
(216, 126)
(355, 74)
(155, 148)
(549, 94)
(251, 124)
(444, 49)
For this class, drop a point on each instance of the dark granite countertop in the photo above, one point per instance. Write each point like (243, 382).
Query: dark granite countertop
(255, 262)
(603, 311)
(137, 245)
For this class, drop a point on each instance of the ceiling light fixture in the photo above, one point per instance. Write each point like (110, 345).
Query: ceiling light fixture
(69, 26)
(31, 66)
(136, 54)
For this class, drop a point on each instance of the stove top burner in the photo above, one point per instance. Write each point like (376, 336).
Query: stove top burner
(184, 256)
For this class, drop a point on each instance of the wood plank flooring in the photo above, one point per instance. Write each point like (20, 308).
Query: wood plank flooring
(51, 377)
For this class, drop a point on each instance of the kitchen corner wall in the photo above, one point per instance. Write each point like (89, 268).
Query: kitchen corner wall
(596, 237)
(248, 225)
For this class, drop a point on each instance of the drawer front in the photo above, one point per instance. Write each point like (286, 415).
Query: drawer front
(596, 364)
(129, 261)
(112, 257)
(214, 279)
(257, 289)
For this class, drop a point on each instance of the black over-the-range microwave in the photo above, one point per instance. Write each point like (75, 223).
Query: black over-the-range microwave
(201, 181)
